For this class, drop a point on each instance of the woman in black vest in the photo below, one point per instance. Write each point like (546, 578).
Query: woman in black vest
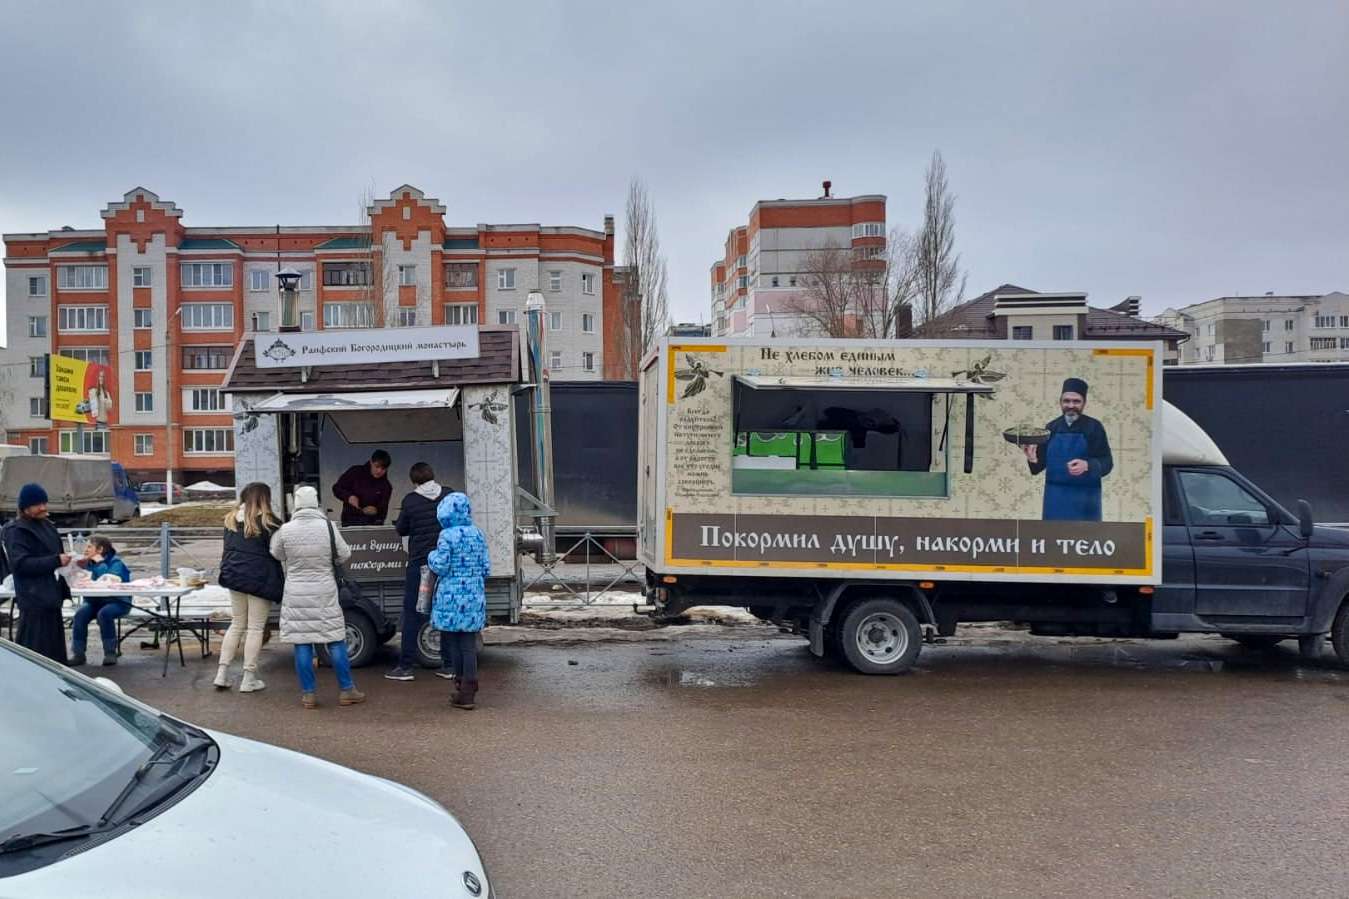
(35, 553)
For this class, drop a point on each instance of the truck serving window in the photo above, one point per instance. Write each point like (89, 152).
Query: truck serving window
(808, 441)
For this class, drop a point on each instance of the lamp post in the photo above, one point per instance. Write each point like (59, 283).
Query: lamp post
(288, 280)
(168, 405)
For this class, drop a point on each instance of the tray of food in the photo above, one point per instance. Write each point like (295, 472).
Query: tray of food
(1026, 435)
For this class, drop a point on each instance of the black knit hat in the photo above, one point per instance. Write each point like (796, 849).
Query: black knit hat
(1075, 385)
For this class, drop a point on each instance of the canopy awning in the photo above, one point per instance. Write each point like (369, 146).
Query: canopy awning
(359, 401)
(912, 385)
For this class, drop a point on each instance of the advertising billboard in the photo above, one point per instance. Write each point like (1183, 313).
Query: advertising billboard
(80, 392)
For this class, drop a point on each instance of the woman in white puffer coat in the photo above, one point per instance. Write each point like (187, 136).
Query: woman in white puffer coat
(310, 610)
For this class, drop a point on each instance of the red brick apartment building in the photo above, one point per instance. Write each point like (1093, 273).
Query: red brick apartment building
(165, 305)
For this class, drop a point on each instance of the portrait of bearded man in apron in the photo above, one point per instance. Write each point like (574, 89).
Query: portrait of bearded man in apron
(1074, 460)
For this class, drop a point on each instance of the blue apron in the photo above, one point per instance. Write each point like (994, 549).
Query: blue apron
(1069, 498)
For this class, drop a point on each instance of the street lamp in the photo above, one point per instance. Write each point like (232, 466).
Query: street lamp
(288, 279)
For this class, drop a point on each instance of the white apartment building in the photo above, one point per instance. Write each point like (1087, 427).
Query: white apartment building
(1271, 328)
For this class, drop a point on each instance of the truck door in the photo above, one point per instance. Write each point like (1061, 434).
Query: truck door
(1175, 596)
(1247, 561)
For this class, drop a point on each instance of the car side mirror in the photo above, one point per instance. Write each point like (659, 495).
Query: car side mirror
(1306, 525)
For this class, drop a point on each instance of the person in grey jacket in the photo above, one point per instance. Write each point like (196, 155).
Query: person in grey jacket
(310, 610)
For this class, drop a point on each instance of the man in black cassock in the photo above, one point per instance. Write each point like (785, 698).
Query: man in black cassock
(1074, 460)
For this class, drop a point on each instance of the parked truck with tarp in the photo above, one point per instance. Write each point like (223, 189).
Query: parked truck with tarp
(82, 490)
(872, 495)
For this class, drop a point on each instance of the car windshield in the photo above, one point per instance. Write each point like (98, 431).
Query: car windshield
(67, 749)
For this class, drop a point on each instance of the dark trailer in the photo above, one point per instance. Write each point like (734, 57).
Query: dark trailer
(1284, 426)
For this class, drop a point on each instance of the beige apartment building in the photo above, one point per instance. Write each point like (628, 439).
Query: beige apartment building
(1240, 330)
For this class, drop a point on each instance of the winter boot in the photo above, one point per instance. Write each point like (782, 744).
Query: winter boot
(109, 658)
(76, 659)
(222, 678)
(463, 697)
(251, 683)
(350, 697)
(309, 700)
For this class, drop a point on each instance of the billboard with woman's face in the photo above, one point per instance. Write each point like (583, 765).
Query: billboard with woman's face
(81, 392)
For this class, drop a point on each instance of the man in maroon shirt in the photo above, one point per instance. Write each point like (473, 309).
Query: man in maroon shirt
(365, 491)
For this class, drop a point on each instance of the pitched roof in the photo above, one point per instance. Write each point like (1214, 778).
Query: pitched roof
(974, 319)
(83, 246)
(207, 243)
(498, 362)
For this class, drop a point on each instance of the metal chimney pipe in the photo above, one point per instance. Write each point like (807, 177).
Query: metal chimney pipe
(541, 421)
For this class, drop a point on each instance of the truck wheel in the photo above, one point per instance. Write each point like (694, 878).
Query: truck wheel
(1255, 642)
(428, 646)
(362, 641)
(1339, 633)
(880, 636)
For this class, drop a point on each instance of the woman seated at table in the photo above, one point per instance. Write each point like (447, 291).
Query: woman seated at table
(100, 558)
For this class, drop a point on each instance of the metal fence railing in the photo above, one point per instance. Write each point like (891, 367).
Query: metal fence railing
(162, 550)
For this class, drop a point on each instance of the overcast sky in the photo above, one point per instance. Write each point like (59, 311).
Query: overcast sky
(1179, 151)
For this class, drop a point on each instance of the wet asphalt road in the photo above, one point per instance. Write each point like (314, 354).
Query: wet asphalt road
(740, 766)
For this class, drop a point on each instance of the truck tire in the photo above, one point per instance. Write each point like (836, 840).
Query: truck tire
(1339, 633)
(880, 636)
(1256, 642)
(428, 646)
(362, 641)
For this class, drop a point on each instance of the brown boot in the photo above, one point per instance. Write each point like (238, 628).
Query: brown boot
(350, 697)
(309, 700)
(463, 697)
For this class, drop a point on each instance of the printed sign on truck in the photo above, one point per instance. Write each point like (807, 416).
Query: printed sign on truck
(997, 459)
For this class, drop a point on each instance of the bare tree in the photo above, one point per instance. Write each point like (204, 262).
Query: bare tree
(646, 302)
(858, 291)
(940, 283)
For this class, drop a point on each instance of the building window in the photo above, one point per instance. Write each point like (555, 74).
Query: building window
(506, 316)
(87, 319)
(95, 354)
(218, 441)
(742, 282)
(461, 313)
(407, 275)
(1023, 332)
(868, 229)
(1288, 348)
(142, 318)
(407, 317)
(1063, 332)
(588, 361)
(93, 442)
(791, 280)
(869, 252)
(206, 358)
(307, 279)
(37, 407)
(140, 276)
(348, 315)
(346, 274)
(145, 360)
(37, 366)
(37, 446)
(145, 402)
(144, 444)
(461, 275)
(83, 277)
(587, 323)
(554, 281)
(37, 285)
(259, 280)
(555, 321)
(207, 316)
(1344, 343)
(37, 326)
(555, 360)
(505, 279)
(1208, 354)
(1264, 325)
(1287, 325)
(1264, 347)
(588, 282)
(1323, 343)
(1210, 329)
(207, 274)
(306, 321)
(740, 262)
(205, 399)
(1344, 321)
(1325, 321)
(261, 321)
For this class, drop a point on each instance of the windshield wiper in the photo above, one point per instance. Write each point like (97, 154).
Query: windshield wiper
(178, 745)
(22, 841)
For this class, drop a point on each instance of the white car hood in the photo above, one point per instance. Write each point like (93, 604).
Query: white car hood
(271, 822)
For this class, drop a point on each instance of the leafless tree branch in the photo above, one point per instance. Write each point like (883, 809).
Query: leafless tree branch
(940, 283)
(646, 304)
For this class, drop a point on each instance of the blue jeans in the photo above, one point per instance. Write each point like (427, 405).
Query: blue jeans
(304, 665)
(411, 624)
(108, 611)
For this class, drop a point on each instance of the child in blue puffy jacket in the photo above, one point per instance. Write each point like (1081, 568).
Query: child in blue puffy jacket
(100, 558)
(460, 608)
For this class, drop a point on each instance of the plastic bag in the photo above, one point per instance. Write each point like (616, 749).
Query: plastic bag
(426, 591)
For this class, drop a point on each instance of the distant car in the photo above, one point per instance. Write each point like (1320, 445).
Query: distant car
(102, 795)
(157, 492)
